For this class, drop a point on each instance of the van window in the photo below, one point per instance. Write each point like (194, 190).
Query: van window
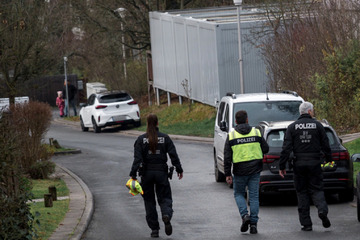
(220, 113)
(268, 111)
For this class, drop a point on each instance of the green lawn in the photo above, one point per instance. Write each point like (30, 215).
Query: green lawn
(49, 217)
(354, 147)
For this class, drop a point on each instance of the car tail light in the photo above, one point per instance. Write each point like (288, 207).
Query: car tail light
(340, 156)
(270, 158)
(100, 106)
(138, 114)
(132, 103)
(98, 118)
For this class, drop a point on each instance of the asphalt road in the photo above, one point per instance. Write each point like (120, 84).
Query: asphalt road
(203, 208)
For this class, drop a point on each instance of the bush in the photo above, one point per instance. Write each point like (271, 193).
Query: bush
(41, 169)
(338, 90)
(32, 121)
(16, 220)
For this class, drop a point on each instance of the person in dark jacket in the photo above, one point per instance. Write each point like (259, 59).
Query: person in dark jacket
(244, 149)
(307, 139)
(72, 90)
(150, 156)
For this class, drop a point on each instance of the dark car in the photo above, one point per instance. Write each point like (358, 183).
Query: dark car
(338, 179)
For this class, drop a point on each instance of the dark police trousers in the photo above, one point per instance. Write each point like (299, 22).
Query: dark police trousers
(156, 182)
(308, 179)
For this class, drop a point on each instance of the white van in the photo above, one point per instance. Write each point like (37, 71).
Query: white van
(259, 107)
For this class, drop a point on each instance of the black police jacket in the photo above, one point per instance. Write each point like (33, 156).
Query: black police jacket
(307, 139)
(243, 168)
(142, 154)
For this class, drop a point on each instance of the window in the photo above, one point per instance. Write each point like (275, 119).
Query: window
(220, 113)
(269, 111)
(116, 97)
(91, 100)
(276, 138)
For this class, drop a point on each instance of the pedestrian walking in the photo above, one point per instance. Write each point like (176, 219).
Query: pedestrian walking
(72, 90)
(151, 152)
(244, 149)
(60, 103)
(307, 139)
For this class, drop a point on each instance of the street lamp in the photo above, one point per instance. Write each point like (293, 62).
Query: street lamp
(238, 4)
(66, 87)
(121, 11)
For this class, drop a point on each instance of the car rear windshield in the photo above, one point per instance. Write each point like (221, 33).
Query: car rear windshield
(268, 111)
(116, 97)
(276, 138)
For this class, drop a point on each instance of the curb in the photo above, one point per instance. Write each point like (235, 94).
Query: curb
(81, 208)
(75, 151)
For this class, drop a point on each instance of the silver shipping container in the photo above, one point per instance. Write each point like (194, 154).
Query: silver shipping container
(201, 47)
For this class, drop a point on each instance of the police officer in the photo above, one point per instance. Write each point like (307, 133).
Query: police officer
(150, 152)
(244, 149)
(307, 139)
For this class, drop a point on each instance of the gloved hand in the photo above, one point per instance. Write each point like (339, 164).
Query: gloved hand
(134, 187)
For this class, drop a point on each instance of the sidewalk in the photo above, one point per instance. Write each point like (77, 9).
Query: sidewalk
(81, 207)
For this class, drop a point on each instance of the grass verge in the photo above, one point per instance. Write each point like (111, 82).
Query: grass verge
(177, 119)
(49, 218)
(354, 147)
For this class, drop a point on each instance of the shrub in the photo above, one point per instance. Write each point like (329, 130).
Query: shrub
(32, 121)
(41, 169)
(16, 221)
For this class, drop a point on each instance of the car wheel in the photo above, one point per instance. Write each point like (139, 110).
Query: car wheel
(83, 128)
(358, 204)
(346, 196)
(137, 124)
(219, 176)
(358, 195)
(97, 129)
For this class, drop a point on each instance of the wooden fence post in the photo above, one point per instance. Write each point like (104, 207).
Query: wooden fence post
(52, 191)
(48, 200)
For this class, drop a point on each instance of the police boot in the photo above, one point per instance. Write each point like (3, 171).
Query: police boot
(168, 227)
(154, 233)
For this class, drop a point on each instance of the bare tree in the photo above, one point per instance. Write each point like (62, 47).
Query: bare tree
(298, 34)
(32, 33)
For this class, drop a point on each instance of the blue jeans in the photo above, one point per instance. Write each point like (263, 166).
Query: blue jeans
(252, 182)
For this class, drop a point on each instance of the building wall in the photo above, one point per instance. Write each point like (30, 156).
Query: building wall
(206, 54)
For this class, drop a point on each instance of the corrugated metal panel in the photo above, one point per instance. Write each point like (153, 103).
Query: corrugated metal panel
(255, 79)
(205, 53)
(229, 72)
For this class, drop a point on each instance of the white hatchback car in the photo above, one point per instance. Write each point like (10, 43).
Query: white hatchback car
(109, 109)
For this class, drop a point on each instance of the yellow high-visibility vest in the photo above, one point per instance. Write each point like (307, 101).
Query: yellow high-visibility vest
(246, 147)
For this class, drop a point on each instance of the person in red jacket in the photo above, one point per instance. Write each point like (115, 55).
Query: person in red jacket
(60, 103)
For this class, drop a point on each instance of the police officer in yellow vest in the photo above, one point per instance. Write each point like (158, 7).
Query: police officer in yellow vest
(244, 149)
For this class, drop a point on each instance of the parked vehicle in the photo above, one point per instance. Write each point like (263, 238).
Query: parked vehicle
(109, 109)
(338, 179)
(260, 107)
(356, 160)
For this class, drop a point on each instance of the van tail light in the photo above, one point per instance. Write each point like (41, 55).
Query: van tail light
(270, 158)
(100, 106)
(132, 103)
(340, 156)
(138, 114)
